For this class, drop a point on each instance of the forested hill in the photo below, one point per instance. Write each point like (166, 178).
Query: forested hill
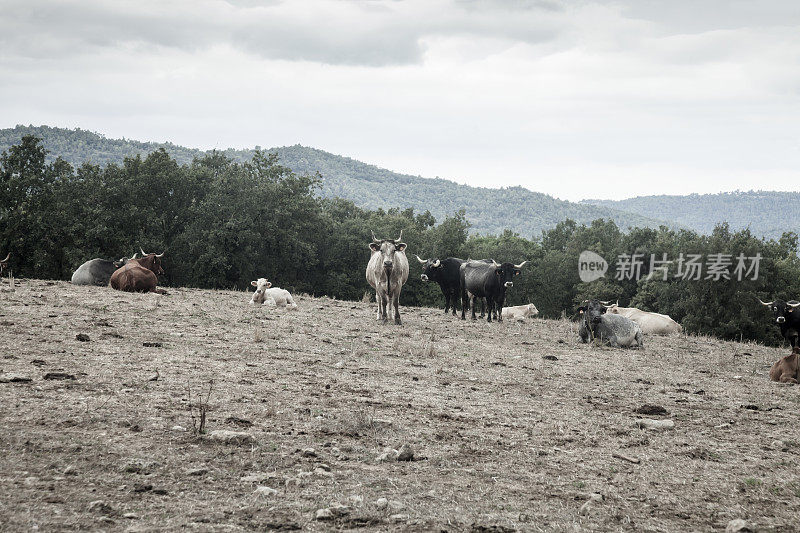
(766, 213)
(489, 210)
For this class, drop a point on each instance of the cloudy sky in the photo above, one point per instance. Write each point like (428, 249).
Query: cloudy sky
(577, 99)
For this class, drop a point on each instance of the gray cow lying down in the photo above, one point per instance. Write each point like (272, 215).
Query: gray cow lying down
(266, 293)
(614, 330)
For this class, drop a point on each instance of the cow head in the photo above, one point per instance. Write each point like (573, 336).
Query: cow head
(151, 262)
(592, 311)
(505, 273)
(532, 311)
(782, 310)
(124, 261)
(387, 248)
(4, 262)
(261, 285)
(431, 269)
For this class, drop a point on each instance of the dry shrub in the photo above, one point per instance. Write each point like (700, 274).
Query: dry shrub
(356, 423)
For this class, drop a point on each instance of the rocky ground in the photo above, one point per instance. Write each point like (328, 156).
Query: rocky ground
(321, 418)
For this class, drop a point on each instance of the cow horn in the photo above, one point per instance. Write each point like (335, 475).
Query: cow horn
(6, 259)
(400, 238)
(793, 305)
(520, 265)
(495, 263)
(374, 238)
(161, 255)
(765, 303)
(143, 252)
(437, 263)
(605, 302)
(423, 261)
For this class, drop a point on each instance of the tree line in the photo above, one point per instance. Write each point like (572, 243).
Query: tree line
(224, 223)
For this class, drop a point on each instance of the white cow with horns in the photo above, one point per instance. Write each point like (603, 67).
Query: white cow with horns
(387, 272)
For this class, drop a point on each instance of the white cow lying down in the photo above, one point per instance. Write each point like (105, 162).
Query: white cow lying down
(520, 312)
(266, 293)
(651, 323)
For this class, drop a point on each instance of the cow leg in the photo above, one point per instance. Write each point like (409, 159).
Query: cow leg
(787, 379)
(453, 300)
(499, 309)
(447, 303)
(489, 309)
(463, 304)
(483, 307)
(473, 303)
(378, 302)
(384, 312)
(396, 299)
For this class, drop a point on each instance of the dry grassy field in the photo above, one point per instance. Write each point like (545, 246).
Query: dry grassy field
(508, 427)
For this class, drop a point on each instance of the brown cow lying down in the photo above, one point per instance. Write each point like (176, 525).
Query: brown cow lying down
(787, 370)
(138, 275)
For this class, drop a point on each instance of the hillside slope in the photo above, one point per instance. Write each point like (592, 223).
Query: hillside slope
(489, 210)
(514, 426)
(766, 213)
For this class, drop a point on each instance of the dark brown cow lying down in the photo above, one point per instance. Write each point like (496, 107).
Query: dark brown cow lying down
(4, 262)
(787, 370)
(139, 275)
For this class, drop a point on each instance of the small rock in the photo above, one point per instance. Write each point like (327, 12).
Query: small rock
(31, 480)
(178, 428)
(550, 357)
(161, 492)
(70, 471)
(394, 505)
(99, 506)
(142, 487)
(324, 467)
(131, 516)
(199, 471)
(339, 510)
(387, 456)
(339, 364)
(225, 436)
(356, 499)
(406, 453)
(83, 337)
(586, 507)
(779, 445)
(14, 378)
(323, 473)
(646, 423)
(323, 514)
(381, 503)
(265, 491)
(309, 452)
(291, 482)
(399, 517)
(738, 526)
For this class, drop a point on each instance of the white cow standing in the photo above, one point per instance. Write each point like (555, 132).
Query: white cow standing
(265, 293)
(520, 312)
(651, 323)
(387, 272)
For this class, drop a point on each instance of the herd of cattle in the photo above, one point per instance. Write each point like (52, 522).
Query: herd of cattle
(469, 280)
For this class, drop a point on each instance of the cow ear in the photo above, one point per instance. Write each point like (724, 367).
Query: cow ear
(254, 283)
(269, 284)
(400, 246)
(517, 272)
(374, 246)
(581, 309)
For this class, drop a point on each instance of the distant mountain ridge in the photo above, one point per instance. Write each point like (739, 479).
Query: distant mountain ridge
(489, 210)
(767, 213)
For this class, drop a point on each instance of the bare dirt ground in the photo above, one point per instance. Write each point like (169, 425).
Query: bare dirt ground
(513, 426)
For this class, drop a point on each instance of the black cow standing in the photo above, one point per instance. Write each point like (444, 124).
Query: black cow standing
(487, 280)
(445, 272)
(787, 316)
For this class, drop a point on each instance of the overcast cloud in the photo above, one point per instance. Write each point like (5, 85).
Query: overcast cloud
(582, 99)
